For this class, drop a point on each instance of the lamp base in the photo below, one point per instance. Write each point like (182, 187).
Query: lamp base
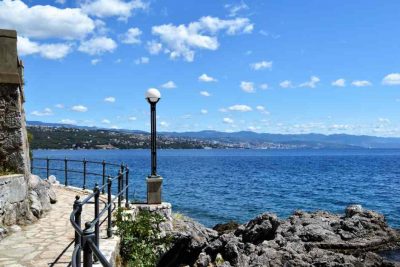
(154, 186)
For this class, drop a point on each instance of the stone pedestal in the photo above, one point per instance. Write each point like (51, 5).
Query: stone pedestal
(154, 189)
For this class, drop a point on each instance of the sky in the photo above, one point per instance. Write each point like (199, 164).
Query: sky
(276, 66)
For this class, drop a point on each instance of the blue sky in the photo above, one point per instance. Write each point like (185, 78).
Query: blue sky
(265, 66)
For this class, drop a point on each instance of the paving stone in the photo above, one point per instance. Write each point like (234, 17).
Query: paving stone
(41, 243)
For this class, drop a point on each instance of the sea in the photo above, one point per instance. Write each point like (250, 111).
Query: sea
(216, 186)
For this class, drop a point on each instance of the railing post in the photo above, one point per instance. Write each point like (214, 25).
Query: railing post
(104, 176)
(88, 234)
(109, 211)
(78, 207)
(119, 188)
(96, 214)
(66, 171)
(127, 186)
(47, 167)
(84, 174)
(32, 165)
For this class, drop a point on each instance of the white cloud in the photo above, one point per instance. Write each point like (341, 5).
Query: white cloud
(45, 112)
(262, 109)
(109, 8)
(68, 121)
(204, 111)
(242, 108)
(132, 118)
(235, 9)
(154, 47)
(205, 78)
(110, 99)
(228, 121)
(362, 83)
(286, 84)
(223, 110)
(61, 106)
(312, 83)
(48, 51)
(169, 85)
(391, 79)
(95, 61)
(132, 36)
(253, 128)
(45, 21)
(339, 83)
(384, 120)
(205, 93)
(264, 86)
(79, 108)
(105, 121)
(248, 87)
(164, 124)
(261, 65)
(183, 40)
(115, 127)
(142, 60)
(97, 45)
(339, 127)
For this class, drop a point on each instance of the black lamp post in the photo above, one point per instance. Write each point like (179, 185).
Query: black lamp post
(153, 96)
(154, 181)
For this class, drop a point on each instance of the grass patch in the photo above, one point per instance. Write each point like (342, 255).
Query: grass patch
(141, 239)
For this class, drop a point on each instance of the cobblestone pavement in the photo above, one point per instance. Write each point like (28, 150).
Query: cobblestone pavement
(48, 242)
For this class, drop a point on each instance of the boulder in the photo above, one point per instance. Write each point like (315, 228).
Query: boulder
(304, 239)
(41, 195)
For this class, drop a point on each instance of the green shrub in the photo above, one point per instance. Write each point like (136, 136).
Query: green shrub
(141, 238)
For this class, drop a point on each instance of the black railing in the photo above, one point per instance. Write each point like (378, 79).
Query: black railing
(87, 239)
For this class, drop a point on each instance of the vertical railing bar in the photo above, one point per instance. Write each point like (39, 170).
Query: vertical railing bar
(109, 212)
(84, 174)
(119, 188)
(47, 167)
(66, 171)
(78, 206)
(96, 213)
(87, 250)
(104, 176)
(127, 186)
(96, 216)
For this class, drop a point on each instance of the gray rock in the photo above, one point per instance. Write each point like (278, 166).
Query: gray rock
(304, 239)
(353, 209)
(15, 229)
(203, 260)
(36, 205)
(52, 179)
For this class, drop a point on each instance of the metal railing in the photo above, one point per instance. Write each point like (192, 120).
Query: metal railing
(87, 239)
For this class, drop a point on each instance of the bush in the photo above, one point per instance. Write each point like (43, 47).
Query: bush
(141, 239)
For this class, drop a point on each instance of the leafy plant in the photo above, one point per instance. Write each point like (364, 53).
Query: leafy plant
(141, 238)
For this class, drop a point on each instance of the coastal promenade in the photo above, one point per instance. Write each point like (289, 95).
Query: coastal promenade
(49, 241)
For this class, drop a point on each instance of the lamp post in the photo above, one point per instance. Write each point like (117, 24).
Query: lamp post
(154, 181)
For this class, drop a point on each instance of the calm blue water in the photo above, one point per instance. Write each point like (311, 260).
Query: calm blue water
(215, 186)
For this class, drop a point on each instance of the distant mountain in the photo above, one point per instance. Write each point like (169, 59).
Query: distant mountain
(248, 139)
(340, 139)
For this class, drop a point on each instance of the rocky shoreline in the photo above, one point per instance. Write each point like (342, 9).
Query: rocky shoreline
(304, 239)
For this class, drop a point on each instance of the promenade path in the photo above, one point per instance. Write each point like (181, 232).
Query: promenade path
(49, 242)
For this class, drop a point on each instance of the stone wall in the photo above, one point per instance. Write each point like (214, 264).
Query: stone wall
(14, 151)
(14, 155)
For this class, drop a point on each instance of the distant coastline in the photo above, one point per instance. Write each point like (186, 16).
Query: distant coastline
(60, 136)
